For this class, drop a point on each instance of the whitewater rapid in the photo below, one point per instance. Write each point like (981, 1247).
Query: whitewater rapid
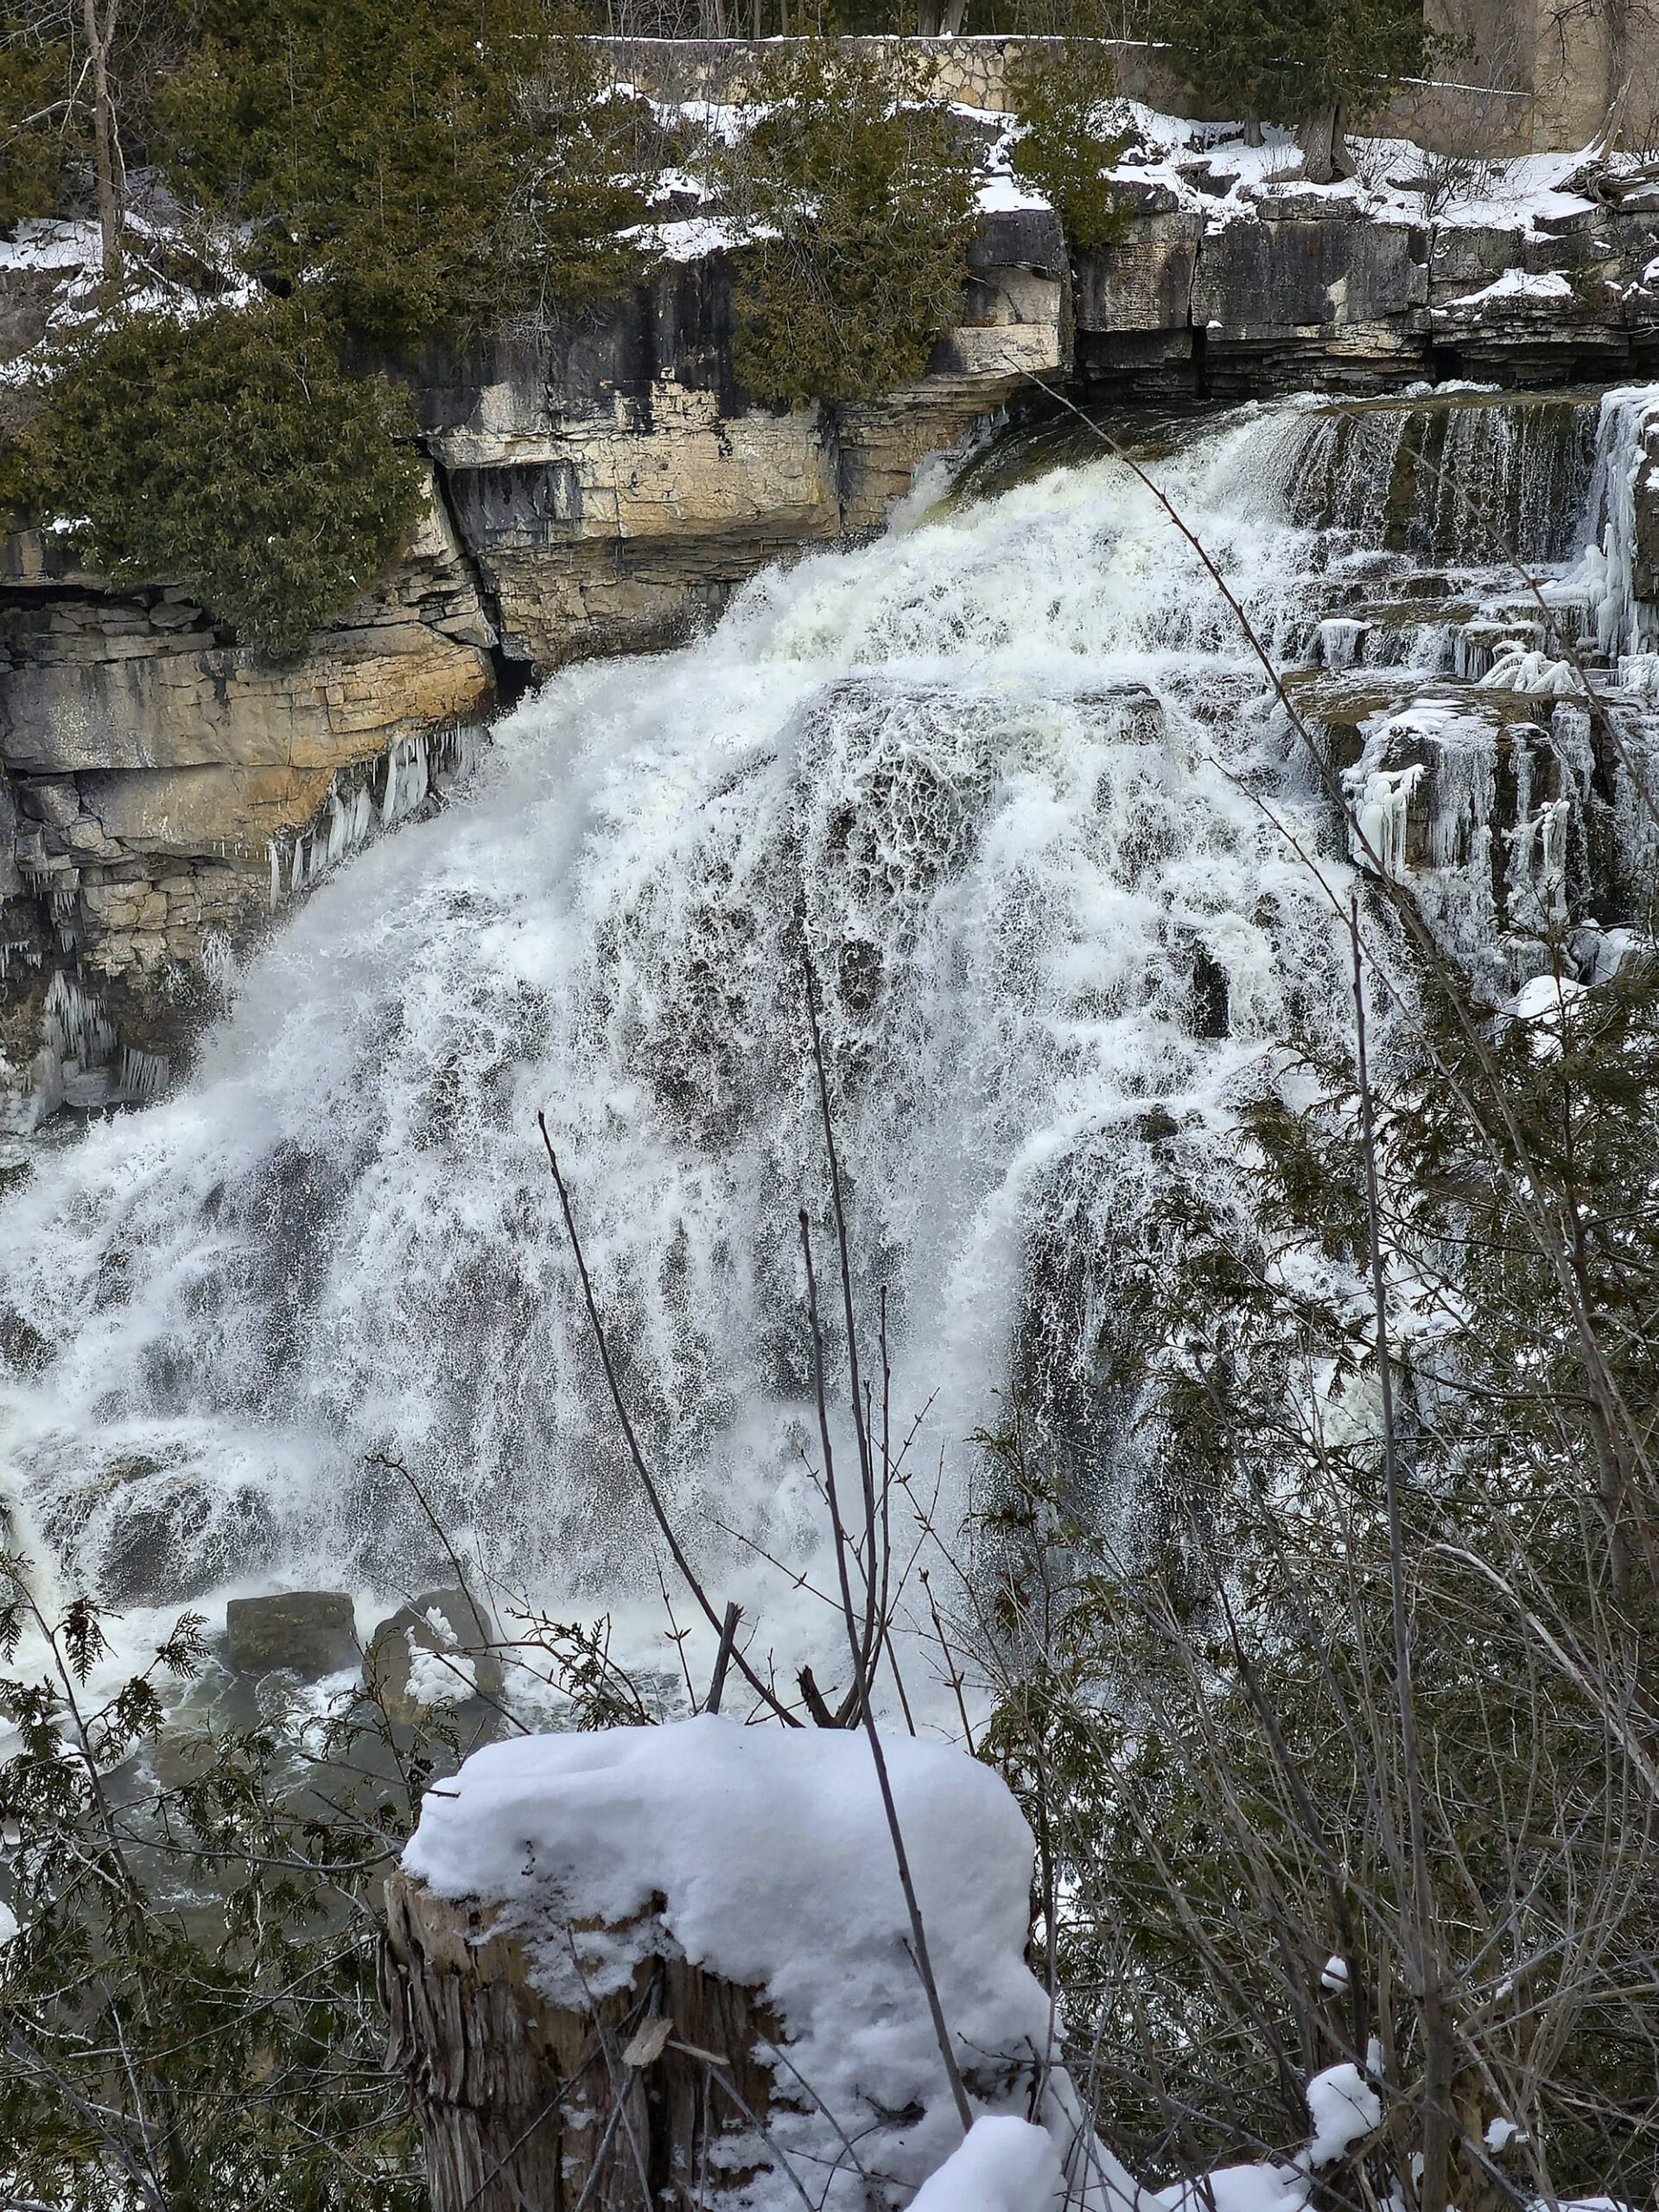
(1012, 779)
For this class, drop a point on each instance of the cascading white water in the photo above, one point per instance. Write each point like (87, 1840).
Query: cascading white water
(1014, 778)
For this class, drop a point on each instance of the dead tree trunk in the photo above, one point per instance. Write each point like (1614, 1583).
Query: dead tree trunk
(107, 155)
(625, 2104)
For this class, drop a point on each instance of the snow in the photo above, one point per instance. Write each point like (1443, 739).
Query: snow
(1515, 284)
(1003, 2164)
(1516, 668)
(1345, 2109)
(1545, 999)
(1501, 2132)
(1334, 1975)
(1264, 2188)
(439, 1675)
(735, 1828)
(693, 237)
(50, 245)
(764, 1854)
(1005, 196)
(8, 1925)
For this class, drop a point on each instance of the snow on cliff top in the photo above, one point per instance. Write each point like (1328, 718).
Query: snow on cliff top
(772, 1855)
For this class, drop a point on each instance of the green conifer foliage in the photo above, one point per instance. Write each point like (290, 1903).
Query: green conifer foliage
(864, 202)
(1065, 96)
(1285, 60)
(37, 78)
(411, 163)
(228, 453)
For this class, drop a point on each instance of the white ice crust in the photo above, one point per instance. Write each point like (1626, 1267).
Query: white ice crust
(1003, 2164)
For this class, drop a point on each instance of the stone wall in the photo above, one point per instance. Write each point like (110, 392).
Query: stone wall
(1524, 76)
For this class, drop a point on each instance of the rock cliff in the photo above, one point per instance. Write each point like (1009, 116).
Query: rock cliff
(601, 485)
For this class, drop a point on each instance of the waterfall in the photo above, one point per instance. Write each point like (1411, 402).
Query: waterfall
(1453, 480)
(1013, 779)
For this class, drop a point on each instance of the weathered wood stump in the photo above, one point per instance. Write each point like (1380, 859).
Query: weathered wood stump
(651, 2096)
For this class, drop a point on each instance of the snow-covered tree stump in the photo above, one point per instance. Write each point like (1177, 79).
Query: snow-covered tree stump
(671, 1970)
(630, 2102)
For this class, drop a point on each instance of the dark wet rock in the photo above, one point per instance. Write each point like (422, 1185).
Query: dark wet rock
(1156, 1126)
(307, 1631)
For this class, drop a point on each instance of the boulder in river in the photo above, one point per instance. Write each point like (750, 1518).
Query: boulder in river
(432, 1653)
(307, 1631)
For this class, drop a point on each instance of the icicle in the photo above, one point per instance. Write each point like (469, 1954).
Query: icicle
(1381, 818)
(143, 1075)
(1339, 638)
(410, 799)
(1605, 574)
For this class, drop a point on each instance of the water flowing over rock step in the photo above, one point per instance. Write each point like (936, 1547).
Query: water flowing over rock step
(1016, 781)
(140, 880)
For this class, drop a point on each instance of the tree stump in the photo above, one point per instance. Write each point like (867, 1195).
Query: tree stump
(651, 2096)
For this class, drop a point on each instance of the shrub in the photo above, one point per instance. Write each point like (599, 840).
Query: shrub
(1066, 98)
(863, 201)
(411, 163)
(189, 1987)
(1251, 1868)
(228, 453)
(37, 77)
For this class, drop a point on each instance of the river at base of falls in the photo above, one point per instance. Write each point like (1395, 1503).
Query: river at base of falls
(1014, 780)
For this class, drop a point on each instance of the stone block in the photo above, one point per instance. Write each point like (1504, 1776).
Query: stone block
(307, 1631)
(1471, 255)
(1298, 203)
(187, 810)
(1030, 237)
(1297, 274)
(441, 1634)
(1144, 282)
(57, 802)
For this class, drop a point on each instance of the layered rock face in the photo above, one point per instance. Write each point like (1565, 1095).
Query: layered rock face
(614, 485)
(603, 484)
(160, 789)
(598, 488)
(1226, 290)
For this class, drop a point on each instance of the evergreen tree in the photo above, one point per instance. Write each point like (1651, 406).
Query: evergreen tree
(859, 192)
(230, 453)
(411, 163)
(1324, 65)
